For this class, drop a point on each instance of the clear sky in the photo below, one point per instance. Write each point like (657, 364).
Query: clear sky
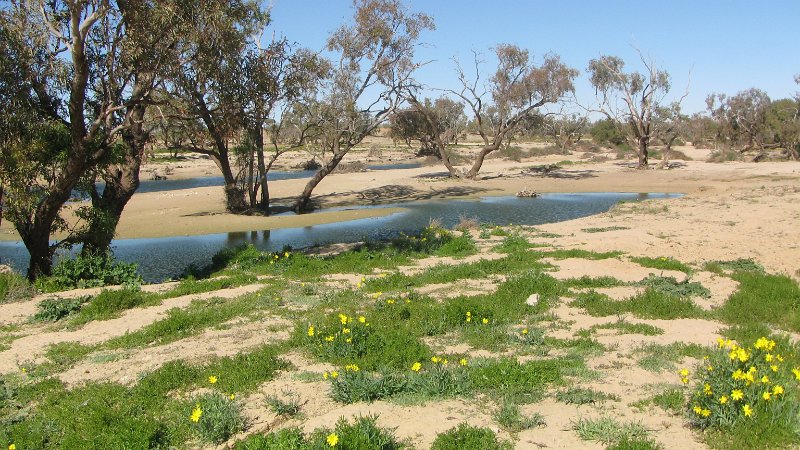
(726, 46)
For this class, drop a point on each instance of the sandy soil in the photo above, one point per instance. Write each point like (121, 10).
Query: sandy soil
(730, 210)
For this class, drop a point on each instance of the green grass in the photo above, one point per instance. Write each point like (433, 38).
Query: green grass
(662, 263)
(762, 298)
(581, 254)
(583, 396)
(60, 357)
(737, 265)
(514, 244)
(587, 282)
(511, 418)
(603, 229)
(147, 415)
(651, 304)
(607, 430)
(664, 357)
(519, 383)
(671, 286)
(625, 327)
(465, 436)
(14, 288)
(671, 400)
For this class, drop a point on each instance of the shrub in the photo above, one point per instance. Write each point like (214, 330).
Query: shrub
(738, 385)
(216, 417)
(54, 309)
(89, 271)
(362, 434)
(466, 436)
(353, 385)
(14, 288)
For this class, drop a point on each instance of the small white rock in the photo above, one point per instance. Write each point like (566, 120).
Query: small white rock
(532, 300)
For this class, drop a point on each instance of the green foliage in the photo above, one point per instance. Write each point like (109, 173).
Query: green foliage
(109, 303)
(54, 309)
(508, 378)
(580, 253)
(671, 286)
(626, 327)
(217, 417)
(651, 304)
(89, 271)
(608, 431)
(603, 229)
(465, 436)
(670, 399)
(660, 357)
(583, 396)
(661, 263)
(592, 282)
(511, 418)
(14, 288)
(457, 246)
(737, 265)
(289, 407)
(285, 439)
(362, 434)
(770, 299)
(627, 443)
(353, 385)
(605, 132)
(513, 243)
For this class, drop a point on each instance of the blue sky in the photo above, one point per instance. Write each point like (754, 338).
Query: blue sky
(726, 46)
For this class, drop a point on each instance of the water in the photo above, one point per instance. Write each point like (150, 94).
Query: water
(189, 183)
(164, 258)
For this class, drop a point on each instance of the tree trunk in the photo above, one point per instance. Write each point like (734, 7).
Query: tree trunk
(642, 152)
(476, 166)
(302, 202)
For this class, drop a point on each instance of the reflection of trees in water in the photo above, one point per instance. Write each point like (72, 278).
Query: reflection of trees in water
(248, 237)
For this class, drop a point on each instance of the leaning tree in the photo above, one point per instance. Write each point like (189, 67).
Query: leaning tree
(372, 68)
(630, 100)
(513, 94)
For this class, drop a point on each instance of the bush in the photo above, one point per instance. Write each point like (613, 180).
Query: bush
(14, 288)
(465, 436)
(53, 309)
(363, 434)
(89, 271)
(604, 132)
(216, 417)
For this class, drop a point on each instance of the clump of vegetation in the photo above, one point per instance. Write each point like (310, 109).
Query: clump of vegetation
(747, 395)
(651, 304)
(216, 417)
(761, 298)
(466, 436)
(607, 430)
(625, 327)
(89, 271)
(671, 400)
(736, 265)
(289, 407)
(511, 418)
(671, 286)
(603, 229)
(662, 263)
(583, 396)
(14, 288)
(54, 309)
(664, 357)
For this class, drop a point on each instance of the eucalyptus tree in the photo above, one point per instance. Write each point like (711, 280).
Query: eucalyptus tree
(205, 84)
(513, 94)
(372, 67)
(630, 100)
(447, 123)
(64, 60)
(741, 117)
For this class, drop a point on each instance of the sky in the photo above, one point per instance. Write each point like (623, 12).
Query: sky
(708, 45)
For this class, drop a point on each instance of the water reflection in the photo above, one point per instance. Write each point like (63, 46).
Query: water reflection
(163, 258)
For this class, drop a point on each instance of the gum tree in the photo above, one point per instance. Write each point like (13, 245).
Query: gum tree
(513, 94)
(372, 68)
(629, 99)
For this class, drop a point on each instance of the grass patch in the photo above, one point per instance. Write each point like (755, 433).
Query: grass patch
(15, 288)
(608, 431)
(651, 304)
(513, 244)
(736, 265)
(664, 357)
(583, 396)
(466, 436)
(216, 417)
(362, 434)
(603, 229)
(671, 286)
(762, 298)
(625, 327)
(581, 254)
(519, 383)
(671, 400)
(511, 418)
(288, 407)
(55, 309)
(662, 263)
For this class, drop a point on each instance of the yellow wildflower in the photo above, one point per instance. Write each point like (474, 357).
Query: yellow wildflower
(362, 319)
(311, 330)
(334, 374)
(232, 396)
(343, 319)
(766, 395)
(196, 413)
(351, 368)
(285, 254)
(349, 340)
(737, 394)
(707, 389)
(764, 344)
(212, 379)
(329, 338)
(416, 367)
(485, 320)
(796, 373)
(768, 357)
(377, 294)
(765, 379)
(684, 373)
(325, 375)
(390, 302)
(697, 409)
(332, 439)
(779, 358)
(705, 412)
(720, 342)
(435, 359)
(777, 389)
(444, 361)
(748, 411)
(525, 331)
(723, 400)
(12, 447)
(774, 368)
(463, 361)
(346, 330)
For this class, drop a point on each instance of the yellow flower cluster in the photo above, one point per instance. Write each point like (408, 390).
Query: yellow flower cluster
(197, 412)
(332, 439)
(351, 368)
(331, 374)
